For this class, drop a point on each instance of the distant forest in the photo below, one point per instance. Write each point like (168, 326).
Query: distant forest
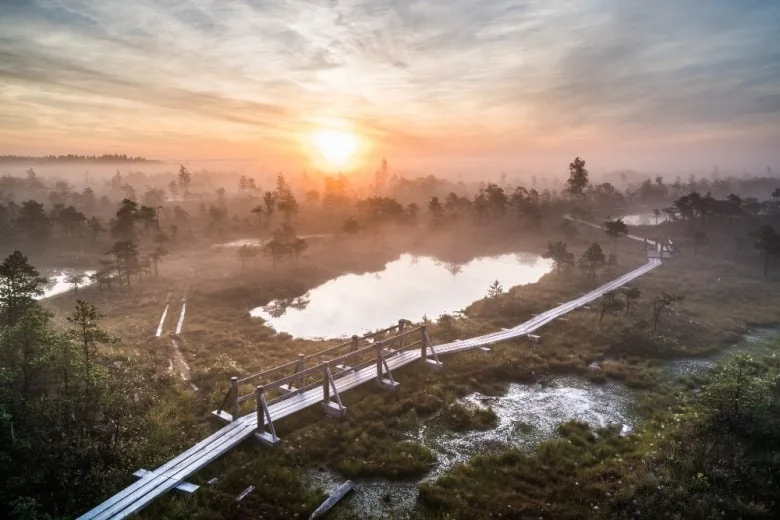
(71, 158)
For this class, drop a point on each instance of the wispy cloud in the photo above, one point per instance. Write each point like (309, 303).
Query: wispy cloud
(464, 74)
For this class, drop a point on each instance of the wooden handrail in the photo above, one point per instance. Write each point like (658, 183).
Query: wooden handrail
(351, 342)
(301, 374)
(247, 379)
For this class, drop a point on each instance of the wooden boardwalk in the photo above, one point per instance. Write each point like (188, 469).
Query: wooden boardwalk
(335, 379)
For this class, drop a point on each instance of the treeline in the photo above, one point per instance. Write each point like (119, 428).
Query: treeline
(73, 422)
(73, 158)
(57, 215)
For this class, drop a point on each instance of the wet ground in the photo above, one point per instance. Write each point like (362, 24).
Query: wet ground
(528, 414)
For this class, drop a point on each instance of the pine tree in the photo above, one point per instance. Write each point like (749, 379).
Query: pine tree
(592, 259)
(20, 283)
(578, 177)
(86, 332)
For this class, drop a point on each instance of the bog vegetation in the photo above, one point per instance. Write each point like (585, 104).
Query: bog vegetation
(89, 393)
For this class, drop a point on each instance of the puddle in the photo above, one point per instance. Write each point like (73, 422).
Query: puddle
(58, 281)
(410, 287)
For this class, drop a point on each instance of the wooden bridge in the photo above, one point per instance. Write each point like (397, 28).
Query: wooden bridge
(321, 379)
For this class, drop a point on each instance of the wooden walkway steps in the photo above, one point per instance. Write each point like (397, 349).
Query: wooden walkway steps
(174, 473)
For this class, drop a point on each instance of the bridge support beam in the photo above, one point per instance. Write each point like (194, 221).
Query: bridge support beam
(185, 487)
(230, 402)
(426, 347)
(264, 419)
(382, 369)
(331, 408)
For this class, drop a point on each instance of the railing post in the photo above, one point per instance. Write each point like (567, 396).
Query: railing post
(234, 397)
(264, 419)
(401, 324)
(300, 368)
(325, 383)
(379, 362)
(423, 343)
(260, 410)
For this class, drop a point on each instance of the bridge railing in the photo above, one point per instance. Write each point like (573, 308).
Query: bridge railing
(243, 389)
(329, 372)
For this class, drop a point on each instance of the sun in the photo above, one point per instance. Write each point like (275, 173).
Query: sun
(336, 147)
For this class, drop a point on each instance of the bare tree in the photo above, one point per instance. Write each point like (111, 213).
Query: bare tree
(609, 303)
(662, 304)
(631, 294)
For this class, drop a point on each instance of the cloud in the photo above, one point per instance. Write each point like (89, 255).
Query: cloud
(464, 74)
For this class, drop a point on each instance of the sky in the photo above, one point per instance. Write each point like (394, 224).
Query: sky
(457, 85)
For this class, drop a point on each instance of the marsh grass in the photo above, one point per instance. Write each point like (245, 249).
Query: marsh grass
(565, 478)
(722, 298)
(462, 417)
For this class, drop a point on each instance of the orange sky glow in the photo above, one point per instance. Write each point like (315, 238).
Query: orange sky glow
(448, 86)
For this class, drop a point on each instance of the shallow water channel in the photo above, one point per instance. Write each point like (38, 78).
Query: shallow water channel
(528, 414)
(409, 287)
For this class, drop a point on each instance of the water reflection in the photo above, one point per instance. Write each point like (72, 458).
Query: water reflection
(454, 268)
(643, 219)
(259, 242)
(409, 287)
(241, 242)
(278, 308)
(59, 281)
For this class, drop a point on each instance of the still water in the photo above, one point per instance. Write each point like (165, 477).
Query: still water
(410, 288)
(528, 414)
(643, 219)
(58, 281)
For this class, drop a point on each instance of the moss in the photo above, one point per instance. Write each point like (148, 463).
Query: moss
(565, 478)
(545, 483)
(387, 459)
(462, 417)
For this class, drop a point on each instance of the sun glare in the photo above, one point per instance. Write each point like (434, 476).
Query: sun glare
(336, 147)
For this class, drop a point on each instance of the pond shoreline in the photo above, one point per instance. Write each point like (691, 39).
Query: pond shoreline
(410, 287)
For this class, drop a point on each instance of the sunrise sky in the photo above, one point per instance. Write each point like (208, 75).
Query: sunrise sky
(437, 84)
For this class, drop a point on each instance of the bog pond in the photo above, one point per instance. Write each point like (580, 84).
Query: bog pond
(410, 287)
(643, 219)
(58, 281)
(527, 415)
